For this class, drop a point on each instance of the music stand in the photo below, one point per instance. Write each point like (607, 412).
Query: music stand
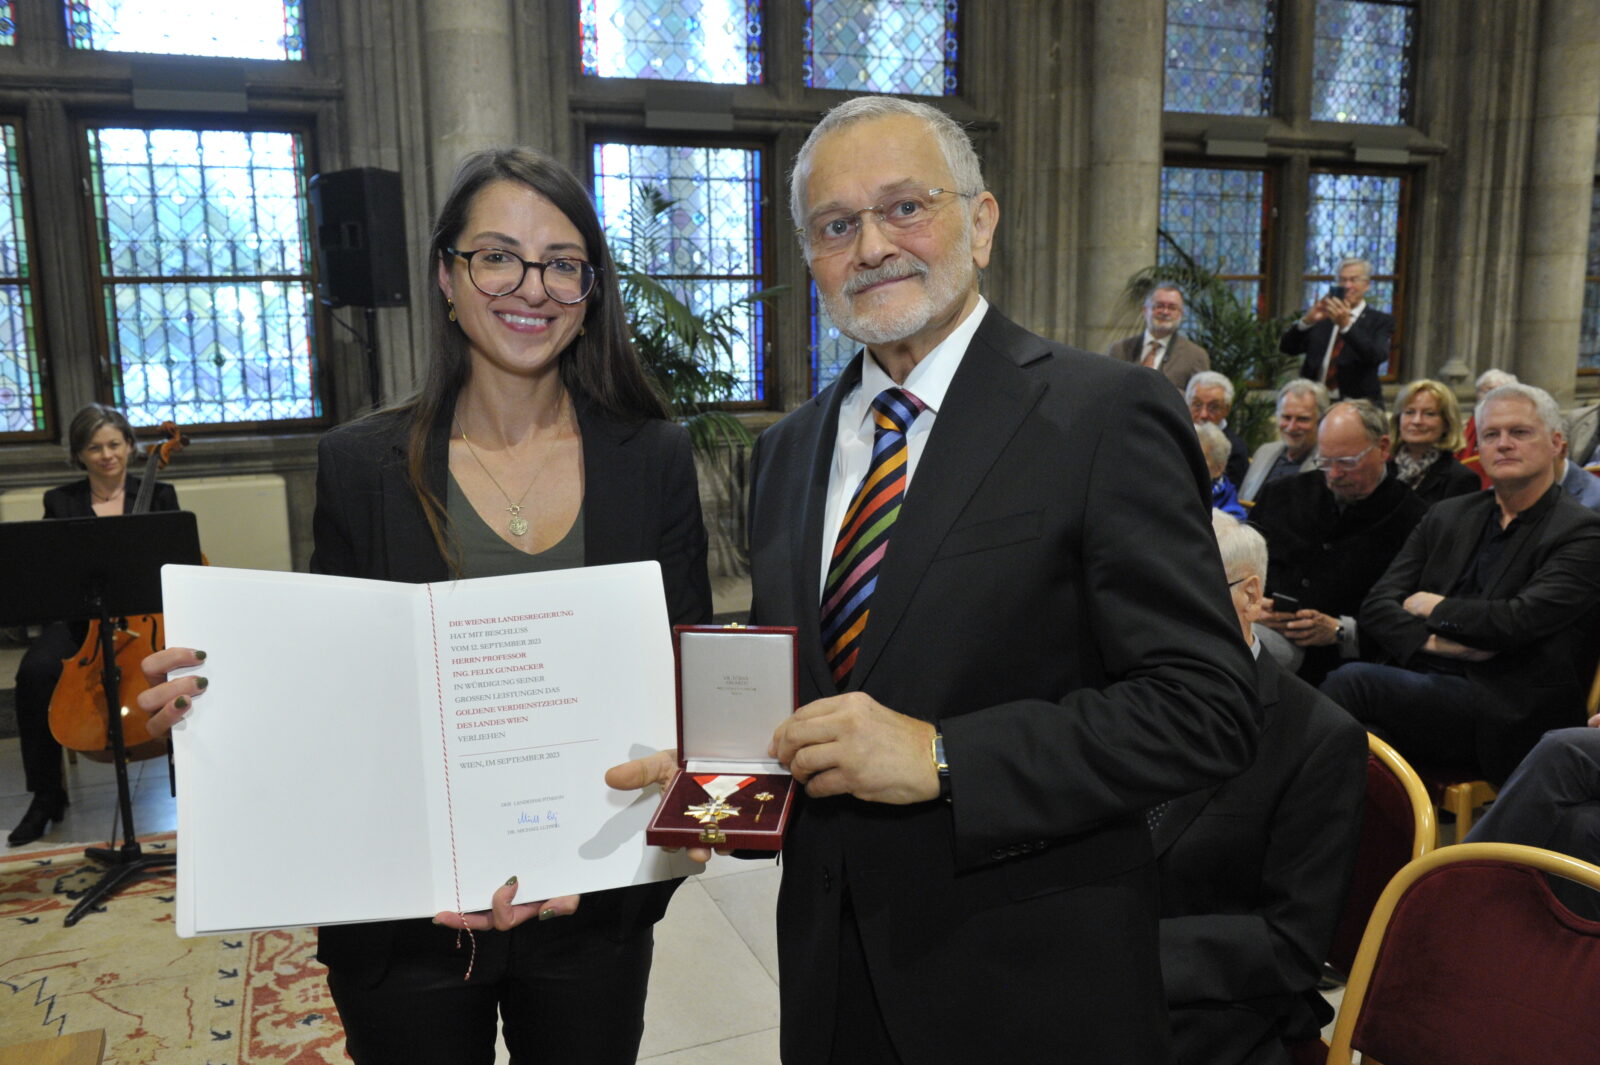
(89, 568)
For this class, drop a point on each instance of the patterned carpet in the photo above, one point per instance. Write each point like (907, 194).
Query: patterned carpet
(218, 1000)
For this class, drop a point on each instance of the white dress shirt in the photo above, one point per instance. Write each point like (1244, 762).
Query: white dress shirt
(928, 380)
(1333, 338)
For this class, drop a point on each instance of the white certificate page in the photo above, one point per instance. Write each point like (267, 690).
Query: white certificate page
(368, 750)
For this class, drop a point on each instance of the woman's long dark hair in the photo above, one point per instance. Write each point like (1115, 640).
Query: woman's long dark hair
(599, 368)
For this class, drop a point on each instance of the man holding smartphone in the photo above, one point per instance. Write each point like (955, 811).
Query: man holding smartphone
(1342, 341)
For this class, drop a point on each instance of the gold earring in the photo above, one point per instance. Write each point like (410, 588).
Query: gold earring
(582, 331)
(452, 306)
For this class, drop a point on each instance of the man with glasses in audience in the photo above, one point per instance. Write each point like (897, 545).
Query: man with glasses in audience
(1484, 625)
(1210, 398)
(1161, 346)
(1301, 405)
(1331, 533)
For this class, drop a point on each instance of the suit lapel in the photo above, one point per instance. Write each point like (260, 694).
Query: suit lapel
(610, 484)
(987, 401)
(1462, 544)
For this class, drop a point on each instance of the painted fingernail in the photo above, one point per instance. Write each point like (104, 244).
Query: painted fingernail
(181, 702)
(201, 655)
(201, 682)
(437, 921)
(547, 913)
(512, 882)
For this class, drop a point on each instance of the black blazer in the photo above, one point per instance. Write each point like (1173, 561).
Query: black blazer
(1330, 558)
(640, 502)
(74, 500)
(1539, 617)
(1253, 878)
(1366, 346)
(1053, 599)
(1444, 479)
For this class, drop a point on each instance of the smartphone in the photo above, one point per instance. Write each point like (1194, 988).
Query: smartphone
(1336, 292)
(1284, 603)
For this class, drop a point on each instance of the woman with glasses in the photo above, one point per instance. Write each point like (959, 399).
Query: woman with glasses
(1426, 426)
(536, 442)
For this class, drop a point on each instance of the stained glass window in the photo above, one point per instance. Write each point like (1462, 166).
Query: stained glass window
(1219, 56)
(8, 26)
(1589, 336)
(1362, 69)
(901, 46)
(204, 274)
(674, 40)
(1218, 217)
(831, 350)
(707, 247)
(243, 29)
(21, 389)
(1354, 216)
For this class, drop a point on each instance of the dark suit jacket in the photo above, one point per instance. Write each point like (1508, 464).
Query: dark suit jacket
(1366, 346)
(1538, 616)
(1066, 625)
(1238, 458)
(74, 500)
(1447, 478)
(1327, 558)
(640, 502)
(1184, 358)
(1253, 878)
(1582, 485)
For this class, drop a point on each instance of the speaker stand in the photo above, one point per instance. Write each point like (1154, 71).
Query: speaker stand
(371, 316)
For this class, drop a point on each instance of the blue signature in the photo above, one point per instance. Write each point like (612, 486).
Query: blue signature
(546, 818)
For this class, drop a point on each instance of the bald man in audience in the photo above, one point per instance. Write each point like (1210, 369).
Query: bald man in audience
(1254, 870)
(1485, 623)
(1331, 534)
(1301, 405)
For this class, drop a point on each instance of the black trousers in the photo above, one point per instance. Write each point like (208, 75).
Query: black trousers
(36, 683)
(565, 990)
(1429, 717)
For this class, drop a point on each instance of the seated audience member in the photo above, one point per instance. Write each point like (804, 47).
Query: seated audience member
(1488, 381)
(1301, 405)
(1161, 347)
(1214, 444)
(1576, 481)
(1254, 871)
(1552, 800)
(1484, 623)
(1342, 340)
(1210, 398)
(1427, 429)
(1332, 533)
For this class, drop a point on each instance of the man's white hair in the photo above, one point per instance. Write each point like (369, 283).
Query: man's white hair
(1209, 379)
(1301, 386)
(1492, 379)
(1244, 551)
(954, 144)
(1366, 267)
(1544, 405)
(1214, 442)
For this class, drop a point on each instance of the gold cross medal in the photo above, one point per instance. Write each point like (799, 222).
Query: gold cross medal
(709, 813)
(719, 788)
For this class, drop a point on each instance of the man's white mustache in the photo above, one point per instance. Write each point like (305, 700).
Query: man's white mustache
(886, 272)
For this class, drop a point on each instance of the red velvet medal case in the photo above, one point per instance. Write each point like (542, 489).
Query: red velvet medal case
(736, 684)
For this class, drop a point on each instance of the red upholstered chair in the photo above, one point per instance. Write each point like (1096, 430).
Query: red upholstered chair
(1470, 958)
(1396, 826)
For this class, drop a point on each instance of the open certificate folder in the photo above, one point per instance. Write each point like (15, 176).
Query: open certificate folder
(369, 750)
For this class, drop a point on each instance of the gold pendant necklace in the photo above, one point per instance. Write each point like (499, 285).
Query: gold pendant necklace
(518, 525)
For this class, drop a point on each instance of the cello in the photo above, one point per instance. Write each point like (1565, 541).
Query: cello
(78, 707)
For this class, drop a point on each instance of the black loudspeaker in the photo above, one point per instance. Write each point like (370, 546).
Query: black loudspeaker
(361, 238)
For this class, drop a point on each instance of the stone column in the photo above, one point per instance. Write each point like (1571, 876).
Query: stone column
(1559, 190)
(1124, 171)
(472, 81)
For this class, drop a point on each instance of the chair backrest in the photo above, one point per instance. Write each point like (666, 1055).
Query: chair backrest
(1469, 957)
(1397, 825)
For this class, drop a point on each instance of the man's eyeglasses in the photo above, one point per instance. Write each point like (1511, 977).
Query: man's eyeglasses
(496, 272)
(906, 213)
(1345, 463)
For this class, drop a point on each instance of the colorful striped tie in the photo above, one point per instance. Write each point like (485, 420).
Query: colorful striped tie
(864, 533)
